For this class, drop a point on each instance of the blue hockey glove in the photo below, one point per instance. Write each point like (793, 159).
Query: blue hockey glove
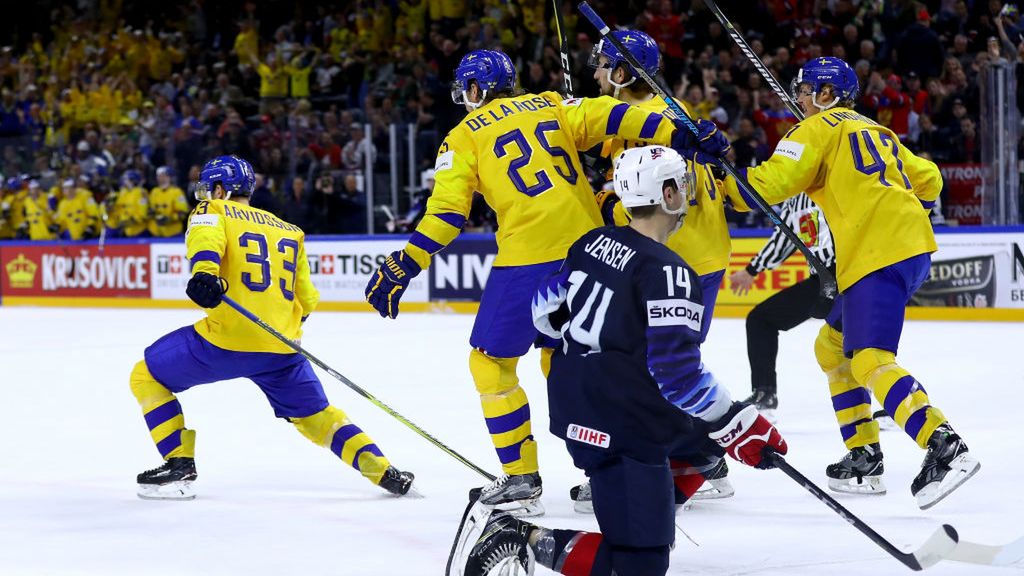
(205, 289)
(707, 147)
(389, 282)
(606, 201)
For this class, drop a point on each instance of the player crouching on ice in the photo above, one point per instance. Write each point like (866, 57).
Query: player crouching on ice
(260, 261)
(628, 310)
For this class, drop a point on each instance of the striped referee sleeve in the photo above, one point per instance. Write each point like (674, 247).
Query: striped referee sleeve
(778, 247)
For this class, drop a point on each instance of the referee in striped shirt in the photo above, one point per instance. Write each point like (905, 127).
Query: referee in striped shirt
(789, 307)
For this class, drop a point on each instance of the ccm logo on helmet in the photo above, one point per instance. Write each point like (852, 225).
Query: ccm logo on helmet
(675, 312)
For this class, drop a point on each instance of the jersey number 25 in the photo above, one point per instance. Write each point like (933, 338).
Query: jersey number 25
(526, 153)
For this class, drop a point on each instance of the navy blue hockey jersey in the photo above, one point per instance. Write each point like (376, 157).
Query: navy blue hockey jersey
(630, 363)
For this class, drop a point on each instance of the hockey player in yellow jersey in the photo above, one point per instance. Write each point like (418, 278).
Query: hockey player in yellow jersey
(39, 221)
(77, 212)
(260, 261)
(128, 209)
(520, 151)
(167, 206)
(704, 242)
(876, 196)
(12, 209)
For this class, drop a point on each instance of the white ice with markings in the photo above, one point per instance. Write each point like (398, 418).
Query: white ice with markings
(270, 502)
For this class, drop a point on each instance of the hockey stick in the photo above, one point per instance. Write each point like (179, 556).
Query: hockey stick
(829, 289)
(103, 228)
(563, 48)
(758, 64)
(256, 320)
(939, 546)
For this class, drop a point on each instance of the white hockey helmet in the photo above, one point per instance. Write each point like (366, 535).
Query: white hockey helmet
(640, 175)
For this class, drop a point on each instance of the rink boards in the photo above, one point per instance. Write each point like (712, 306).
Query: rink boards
(977, 274)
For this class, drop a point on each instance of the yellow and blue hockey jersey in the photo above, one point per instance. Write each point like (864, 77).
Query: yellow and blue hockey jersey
(78, 214)
(167, 204)
(521, 154)
(263, 260)
(38, 217)
(703, 240)
(875, 194)
(130, 211)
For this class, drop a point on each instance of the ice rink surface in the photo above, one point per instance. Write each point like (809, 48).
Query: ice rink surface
(270, 502)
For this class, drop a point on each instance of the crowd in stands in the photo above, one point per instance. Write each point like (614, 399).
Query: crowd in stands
(108, 109)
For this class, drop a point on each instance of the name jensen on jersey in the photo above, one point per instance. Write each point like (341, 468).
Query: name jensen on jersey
(610, 252)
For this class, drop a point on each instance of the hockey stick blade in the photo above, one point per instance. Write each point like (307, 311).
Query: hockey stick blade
(829, 289)
(939, 546)
(973, 553)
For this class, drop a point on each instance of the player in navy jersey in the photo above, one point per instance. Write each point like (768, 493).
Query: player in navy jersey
(626, 389)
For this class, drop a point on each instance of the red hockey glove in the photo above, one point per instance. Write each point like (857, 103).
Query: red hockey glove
(745, 435)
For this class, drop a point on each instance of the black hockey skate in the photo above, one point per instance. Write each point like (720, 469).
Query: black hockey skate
(716, 483)
(947, 465)
(490, 543)
(885, 422)
(859, 472)
(396, 481)
(763, 400)
(766, 403)
(518, 494)
(172, 481)
(502, 549)
(582, 499)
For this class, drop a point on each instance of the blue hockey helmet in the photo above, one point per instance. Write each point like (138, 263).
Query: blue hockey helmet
(827, 71)
(13, 183)
(233, 173)
(639, 44)
(131, 178)
(490, 69)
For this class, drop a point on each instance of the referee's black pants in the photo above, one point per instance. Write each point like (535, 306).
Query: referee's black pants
(785, 309)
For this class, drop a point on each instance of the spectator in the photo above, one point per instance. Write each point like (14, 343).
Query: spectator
(354, 153)
(918, 49)
(891, 105)
(298, 209)
(775, 121)
(965, 147)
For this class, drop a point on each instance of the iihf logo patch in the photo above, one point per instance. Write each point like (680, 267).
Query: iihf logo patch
(588, 436)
